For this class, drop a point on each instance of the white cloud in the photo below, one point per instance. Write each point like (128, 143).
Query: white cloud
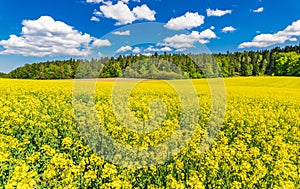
(293, 39)
(228, 29)
(119, 12)
(261, 9)
(187, 41)
(180, 41)
(207, 34)
(94, 1)
(181, 50)
(265, 40)
(152, 49)
(136, 50)
(203, 41)
(212, 27)
(187, 21)
(143, 12)
(127, 32)
(108, 1)
(165, 49)
(97, 13)
(147, 54)
(124, 49)
(94, 18)
(101, 43)
(124, 15)
(217, 12)
(125, 1)
(47, 37)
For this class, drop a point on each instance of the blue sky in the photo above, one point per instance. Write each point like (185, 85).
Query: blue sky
(41, 30)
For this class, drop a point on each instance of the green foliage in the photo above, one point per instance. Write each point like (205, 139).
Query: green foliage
(46, 70)
(285, 61)
(288, 64)
(3, 75)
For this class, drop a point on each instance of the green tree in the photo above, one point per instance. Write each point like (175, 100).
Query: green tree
(288, 63)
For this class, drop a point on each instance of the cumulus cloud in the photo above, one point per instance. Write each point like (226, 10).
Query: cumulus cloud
(97, 13)
(165, 49)
(203, 41)
(101, 43)
(181, 50)
(265, 40)
(108, 1)
(228, 29)
(152, 49)
(143, 12)
(127, 32)
(47, 37)
(123, 15)
(125, 1)
(136, 50)
(94, 1)
(207, 34)
(124, 49)
(94, 18)
(217, 12)
(187, 21)
(119, 12)
(261, 9)
(188, 40)
(147, 54)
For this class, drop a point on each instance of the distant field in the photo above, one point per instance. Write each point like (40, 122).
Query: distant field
(258, 145)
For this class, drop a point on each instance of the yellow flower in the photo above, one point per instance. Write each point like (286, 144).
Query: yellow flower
(108, 170)
(90, 175)
(67, 142)
(236, 185)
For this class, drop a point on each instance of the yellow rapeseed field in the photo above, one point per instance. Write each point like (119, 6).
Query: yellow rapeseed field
(258, 146)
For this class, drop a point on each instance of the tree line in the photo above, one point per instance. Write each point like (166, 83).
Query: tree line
(277, 61)
(3, 75)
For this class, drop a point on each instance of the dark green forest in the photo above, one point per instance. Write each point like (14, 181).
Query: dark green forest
(277, 61)
(3, 75)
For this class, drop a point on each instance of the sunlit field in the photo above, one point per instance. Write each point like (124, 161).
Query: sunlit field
(258, 145)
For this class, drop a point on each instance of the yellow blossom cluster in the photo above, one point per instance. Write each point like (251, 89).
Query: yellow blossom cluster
(258, 145)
